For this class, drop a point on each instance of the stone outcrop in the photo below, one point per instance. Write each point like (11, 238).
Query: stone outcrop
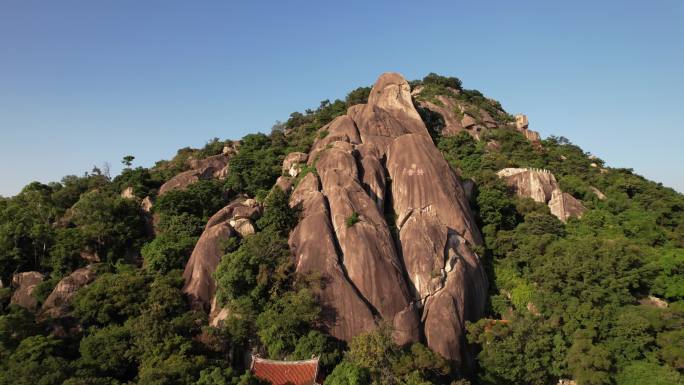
(346, 312)
(522, 125)
(653, 301)
(146, 204)
(57, 304)
(285, 183)
(212, 167)
(23, 285)
(292, 164)
(565, 206)
(542, 187)
(532, 183)
(417, 271)
(597, 192)
(231, 221)
(128, 193)
(458, 115)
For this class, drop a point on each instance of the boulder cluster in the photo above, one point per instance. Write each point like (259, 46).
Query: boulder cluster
(58, 303)
(541, 186)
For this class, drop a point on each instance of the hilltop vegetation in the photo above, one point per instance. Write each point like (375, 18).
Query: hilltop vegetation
(581, 300)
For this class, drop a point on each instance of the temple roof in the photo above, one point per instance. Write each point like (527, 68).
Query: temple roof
(285, 372)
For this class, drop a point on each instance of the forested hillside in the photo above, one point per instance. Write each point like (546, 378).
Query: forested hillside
(93, 290)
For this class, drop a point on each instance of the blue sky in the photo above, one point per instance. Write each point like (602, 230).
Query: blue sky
(87, 82)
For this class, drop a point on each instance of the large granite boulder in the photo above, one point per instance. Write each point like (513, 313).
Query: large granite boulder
(420, 264)
(205, 257)
(341, 129)
(565, 206)
(57, 304)
(345, 311)
(541, 186)
(23, 285)
(388, 114)
(212, 167)
(369, 253)
(537, 184)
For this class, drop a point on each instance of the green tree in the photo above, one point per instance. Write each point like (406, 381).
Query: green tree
(35, 361)
(285, 320)
(589, 363)
(127, 160)
(520, 351)
(644, 372)
(113, 226)
(111, 298)
(346, 373)
(107, 352)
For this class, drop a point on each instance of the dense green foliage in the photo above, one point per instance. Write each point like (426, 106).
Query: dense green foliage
(578, 318)
(567, 300)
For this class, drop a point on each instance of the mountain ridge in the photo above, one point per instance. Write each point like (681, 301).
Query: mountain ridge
(413, 233)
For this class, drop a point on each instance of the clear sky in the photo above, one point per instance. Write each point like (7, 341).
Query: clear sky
(87, 82)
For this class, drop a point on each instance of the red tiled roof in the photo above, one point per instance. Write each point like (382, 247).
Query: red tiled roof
(285, 372)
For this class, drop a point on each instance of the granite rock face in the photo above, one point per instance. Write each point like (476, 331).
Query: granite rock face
(565, 206)
(386, 223)
(199, 283)
(58, 303)
(532, 183)
(212, 167)
(345, 311)
(23, 285)
(542, 187)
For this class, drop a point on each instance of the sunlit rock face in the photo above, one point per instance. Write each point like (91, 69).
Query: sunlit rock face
(386, 223)
(58, 303)
(542, 187)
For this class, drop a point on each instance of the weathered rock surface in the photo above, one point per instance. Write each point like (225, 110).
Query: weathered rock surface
(532, 183)
(23, 285)
(598, 193)
(388, 114)
(565, 206)
(199, 283)
(425, 268)
(285, 183)
(436, 231)
(58, 303)
(212, 167)
(542, 187)
(217, 315)
(341, 129)
(147, 204)
(293, 162)
(369, 254)
(89, 255)
(128, 193)
(654, 302)
(313, 242)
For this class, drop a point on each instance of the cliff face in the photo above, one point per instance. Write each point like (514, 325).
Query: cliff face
(386, 223)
